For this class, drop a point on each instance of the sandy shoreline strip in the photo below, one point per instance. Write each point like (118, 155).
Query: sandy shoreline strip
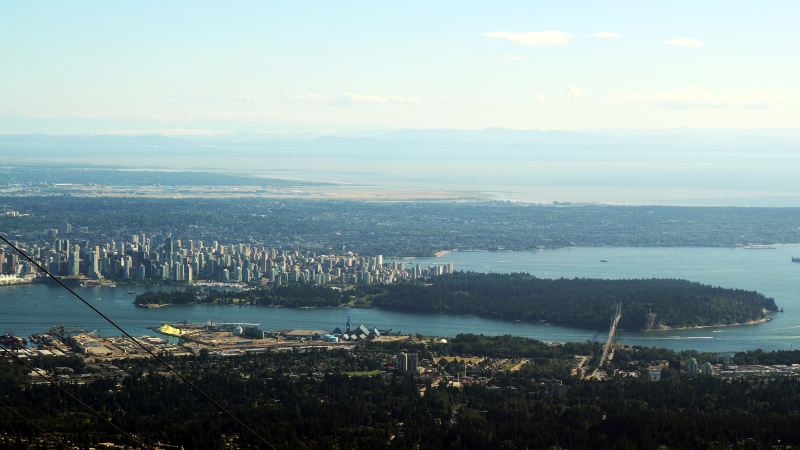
(697, 327)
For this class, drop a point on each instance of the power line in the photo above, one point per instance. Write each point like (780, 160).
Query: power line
(70, 395)
(136, 341)
(32, 423)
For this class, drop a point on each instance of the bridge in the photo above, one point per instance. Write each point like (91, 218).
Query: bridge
(608, 348)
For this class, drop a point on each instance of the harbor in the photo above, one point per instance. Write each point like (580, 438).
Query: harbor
(185, 338)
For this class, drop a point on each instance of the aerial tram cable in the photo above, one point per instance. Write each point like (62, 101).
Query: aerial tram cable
(61, 388)
(136, 341)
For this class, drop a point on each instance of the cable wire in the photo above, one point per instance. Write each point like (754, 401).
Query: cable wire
(136, 341)
(70, 395)
(33, 424)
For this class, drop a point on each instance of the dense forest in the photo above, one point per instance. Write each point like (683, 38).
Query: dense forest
(178, 297)
(308, 401)
(586, 303)
(513, 347)
(296, 295)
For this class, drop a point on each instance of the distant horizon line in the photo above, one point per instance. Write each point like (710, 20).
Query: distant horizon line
(359, 132)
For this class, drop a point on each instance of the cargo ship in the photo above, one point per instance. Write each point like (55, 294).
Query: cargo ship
(11, 342)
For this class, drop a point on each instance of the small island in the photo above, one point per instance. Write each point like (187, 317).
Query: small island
(648, 304)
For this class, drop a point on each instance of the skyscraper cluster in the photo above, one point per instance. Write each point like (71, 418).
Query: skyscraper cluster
(165, 258)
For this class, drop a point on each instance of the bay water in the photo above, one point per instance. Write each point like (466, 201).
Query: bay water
(32, 308)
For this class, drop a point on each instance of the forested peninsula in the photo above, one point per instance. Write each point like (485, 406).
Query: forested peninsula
(647, 304)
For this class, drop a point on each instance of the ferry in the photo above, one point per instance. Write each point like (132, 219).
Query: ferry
(13, 279)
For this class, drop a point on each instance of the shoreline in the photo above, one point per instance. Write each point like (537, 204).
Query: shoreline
(445, 252)
(544, 323)
(699, 327)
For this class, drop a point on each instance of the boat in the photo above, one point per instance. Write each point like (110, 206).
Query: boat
(757, 246)
(603, 260)
(11, 342)
(796, 259)
(131, 292)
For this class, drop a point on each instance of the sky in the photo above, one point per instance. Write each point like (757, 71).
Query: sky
(195, 68)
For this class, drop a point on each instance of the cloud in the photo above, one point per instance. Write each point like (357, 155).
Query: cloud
(685, 42)
(348, 98)
(574, 92)
(165, 132)
(311, 97)
(212, 98)
(540, 98)
(352, 98)
(515, 58)
(607, 35)
(244, 98)
(533, 38)
(698, 97)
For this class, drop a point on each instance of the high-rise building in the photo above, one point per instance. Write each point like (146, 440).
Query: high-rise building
(402, 361)
(74, 264)
(407, 362)
(412, 363)
(94, 270)
(177, 271)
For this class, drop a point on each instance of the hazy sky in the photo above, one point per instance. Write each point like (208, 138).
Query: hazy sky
(194, 67)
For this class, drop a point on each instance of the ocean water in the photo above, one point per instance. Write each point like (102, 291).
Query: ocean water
(26, 309)
(714, 168)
